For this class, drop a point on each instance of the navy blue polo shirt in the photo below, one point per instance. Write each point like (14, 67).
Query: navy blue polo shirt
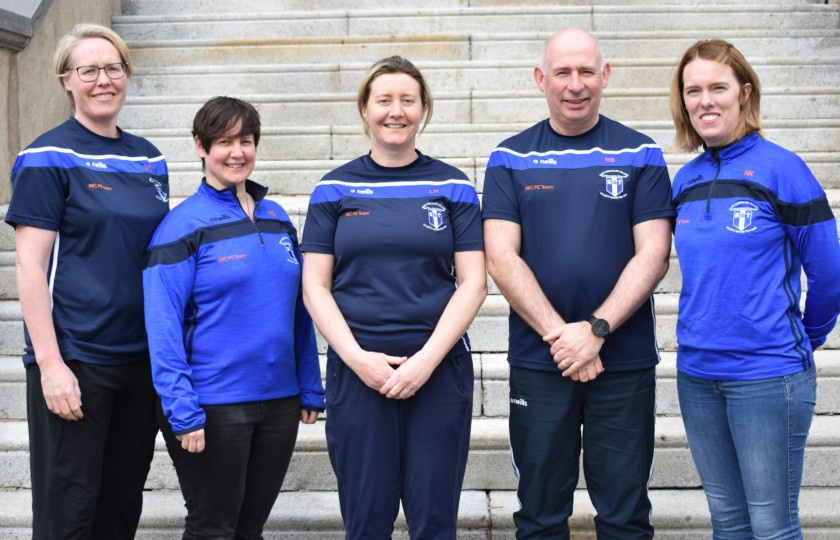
(577, 200)
(393, 232)
(103, 197)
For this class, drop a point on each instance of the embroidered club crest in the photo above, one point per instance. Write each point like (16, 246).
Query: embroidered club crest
(434, 220)
(290, 250)
(742, 216)
(614, 184)
(161, 196)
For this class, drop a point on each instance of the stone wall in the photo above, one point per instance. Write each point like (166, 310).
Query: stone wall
(31, 100)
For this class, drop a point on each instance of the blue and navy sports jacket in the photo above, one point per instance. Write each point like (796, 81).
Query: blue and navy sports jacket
(577, 200)
(103, 197)
(224, 309)
(750, 216)
(394, 232)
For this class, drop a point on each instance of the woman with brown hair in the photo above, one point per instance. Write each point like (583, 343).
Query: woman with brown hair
(750, 218)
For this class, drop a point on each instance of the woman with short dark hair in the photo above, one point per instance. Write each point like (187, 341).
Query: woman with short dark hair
(234, 359)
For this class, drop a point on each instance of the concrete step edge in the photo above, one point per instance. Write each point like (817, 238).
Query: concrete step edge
(427, 65)
(478, 127)
(488, 434)
(473, 95)
(675, 511)
(658, 35)
(524, 10)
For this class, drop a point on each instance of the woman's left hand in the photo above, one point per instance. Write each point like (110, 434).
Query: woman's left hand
(308, 417)
(408, 378)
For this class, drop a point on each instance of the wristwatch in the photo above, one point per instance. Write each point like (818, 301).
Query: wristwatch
(600, 327)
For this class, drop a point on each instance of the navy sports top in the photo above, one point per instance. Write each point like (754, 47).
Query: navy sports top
(393, 232)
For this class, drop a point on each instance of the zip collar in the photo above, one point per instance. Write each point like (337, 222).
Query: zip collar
(227, 196)
(722, 154)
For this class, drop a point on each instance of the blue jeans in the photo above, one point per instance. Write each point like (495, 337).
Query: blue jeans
(747, 439)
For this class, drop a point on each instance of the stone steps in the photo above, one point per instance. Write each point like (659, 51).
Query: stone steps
(491, 384)
(489, 465)
(488, 332)
(497, 19)
(300, 65)
(445, 141)
(677, 515)
(464, 107)
(821, 43)
(445, 76)
(162, 7)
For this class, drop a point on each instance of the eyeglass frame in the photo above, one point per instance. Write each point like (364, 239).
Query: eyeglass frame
(100, 70)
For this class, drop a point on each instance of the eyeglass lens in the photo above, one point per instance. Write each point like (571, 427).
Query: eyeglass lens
(91, 73)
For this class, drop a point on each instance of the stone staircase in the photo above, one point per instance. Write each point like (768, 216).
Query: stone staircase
(300, 66)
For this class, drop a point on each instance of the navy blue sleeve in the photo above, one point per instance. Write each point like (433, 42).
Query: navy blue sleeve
(652, 199)
(499, 200)
(38, 195)
(321, 222)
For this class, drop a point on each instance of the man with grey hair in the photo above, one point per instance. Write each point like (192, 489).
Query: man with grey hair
(577, 226)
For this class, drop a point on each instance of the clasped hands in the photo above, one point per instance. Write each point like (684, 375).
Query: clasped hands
(377, 372)
(576, 350)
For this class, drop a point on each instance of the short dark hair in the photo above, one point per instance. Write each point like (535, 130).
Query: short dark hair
(219, 115)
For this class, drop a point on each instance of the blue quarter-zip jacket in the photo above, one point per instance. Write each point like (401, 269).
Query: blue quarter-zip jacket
(750, 217)
(224, 310)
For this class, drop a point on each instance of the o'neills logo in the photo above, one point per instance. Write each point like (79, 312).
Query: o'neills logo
(518, 401)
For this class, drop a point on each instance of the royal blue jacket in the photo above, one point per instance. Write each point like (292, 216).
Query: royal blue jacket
(750, 217)
(224, 310)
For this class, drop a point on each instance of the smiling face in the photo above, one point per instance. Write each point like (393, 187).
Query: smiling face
(393, 112)
(713, 99)
(573, 81)
(230, 159)
(97, 103)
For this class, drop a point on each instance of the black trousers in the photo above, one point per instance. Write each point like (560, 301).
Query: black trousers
(230, 488)
(88, 475)
(616, 412)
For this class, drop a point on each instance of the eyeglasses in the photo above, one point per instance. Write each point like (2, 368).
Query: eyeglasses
(91, 73)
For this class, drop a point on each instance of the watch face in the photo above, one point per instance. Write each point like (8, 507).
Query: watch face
(600, 327)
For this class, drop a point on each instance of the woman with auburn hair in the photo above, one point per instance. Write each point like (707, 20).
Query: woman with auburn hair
(393, 275)
(750, 218)
(86, 198)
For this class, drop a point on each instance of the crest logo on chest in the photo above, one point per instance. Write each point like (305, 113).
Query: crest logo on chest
(435, 216)
(614, 184)
(742, 217)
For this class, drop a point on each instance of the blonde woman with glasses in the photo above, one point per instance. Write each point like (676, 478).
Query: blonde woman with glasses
(86, 198)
